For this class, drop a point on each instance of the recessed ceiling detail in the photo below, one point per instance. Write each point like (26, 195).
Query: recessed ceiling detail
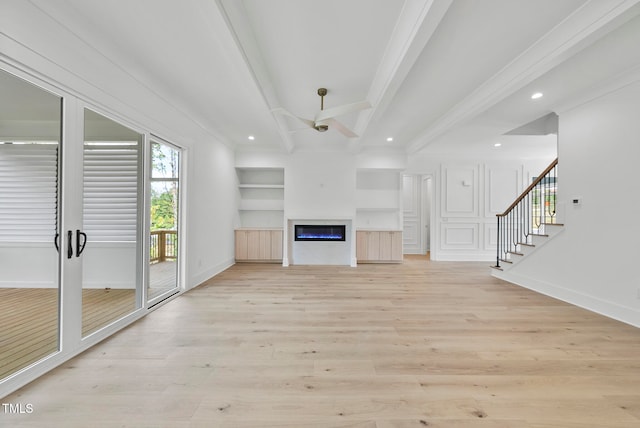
(434, 71)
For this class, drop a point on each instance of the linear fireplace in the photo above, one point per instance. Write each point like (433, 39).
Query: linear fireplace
(319, 240)
(320, 232)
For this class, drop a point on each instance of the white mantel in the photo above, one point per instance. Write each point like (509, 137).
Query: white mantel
(319, 252)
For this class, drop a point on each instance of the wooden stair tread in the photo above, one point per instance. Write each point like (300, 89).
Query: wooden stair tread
(526, 244)
(515, 253)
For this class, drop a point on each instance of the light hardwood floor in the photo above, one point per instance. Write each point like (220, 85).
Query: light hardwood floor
(433, 344)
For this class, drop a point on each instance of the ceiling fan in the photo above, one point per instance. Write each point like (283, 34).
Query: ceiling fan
(325, 118)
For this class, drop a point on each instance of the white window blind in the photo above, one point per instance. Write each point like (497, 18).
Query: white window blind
(28, 192)
(110, 207)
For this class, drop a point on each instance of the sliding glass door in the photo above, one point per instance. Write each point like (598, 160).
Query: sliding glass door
(110, 239)
(164, 221)
(82, 253)
(30, 143)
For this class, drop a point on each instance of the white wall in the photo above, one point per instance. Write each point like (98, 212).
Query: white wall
(594, 262)
(467, 195)
(320, 185)
(211, 210)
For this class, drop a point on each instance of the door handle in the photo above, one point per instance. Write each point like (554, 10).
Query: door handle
(55, 242)
(69, 244)
(80, 245)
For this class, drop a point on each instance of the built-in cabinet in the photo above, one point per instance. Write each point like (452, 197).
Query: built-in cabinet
(264, 245)
(261, 214)
(378, 216)
(379, 246)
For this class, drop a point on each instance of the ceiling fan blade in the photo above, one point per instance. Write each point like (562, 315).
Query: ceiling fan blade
(340, 128)
(280, 110)
(340, 110)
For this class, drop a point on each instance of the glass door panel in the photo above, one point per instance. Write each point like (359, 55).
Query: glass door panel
(164, 213)
(30, 139)
(109, 242)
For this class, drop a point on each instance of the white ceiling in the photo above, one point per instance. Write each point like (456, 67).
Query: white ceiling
(442, 75)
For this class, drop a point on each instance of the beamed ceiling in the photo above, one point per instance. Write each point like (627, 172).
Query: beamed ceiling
(441, 75)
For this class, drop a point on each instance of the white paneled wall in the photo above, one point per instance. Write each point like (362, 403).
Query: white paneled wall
(460, 191)
(466, 199)
(503, 187)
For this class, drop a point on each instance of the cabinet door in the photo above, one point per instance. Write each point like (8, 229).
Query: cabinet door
(362, 243)
(386, 239)
(373, 245)
(253, 244)
(391, 246)
(276, 245)
(264, 250)
(396, 246)
(241, 245)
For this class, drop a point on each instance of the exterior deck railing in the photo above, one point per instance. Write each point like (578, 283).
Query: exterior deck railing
(163, 245)
(528, 214)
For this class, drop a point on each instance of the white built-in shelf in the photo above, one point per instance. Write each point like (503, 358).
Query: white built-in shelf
(377, 209)
(261, 186)
(261, 191)
(378, 199)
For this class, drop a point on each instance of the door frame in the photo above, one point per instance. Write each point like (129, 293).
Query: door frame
(427, 186)
(180, 278)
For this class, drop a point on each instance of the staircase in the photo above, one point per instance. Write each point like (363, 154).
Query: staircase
(530, 221)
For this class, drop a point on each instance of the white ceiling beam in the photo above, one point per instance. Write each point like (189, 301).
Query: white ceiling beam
(589, 22)
(416, 24)
(245, 41)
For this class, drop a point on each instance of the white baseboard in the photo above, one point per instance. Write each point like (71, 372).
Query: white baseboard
(612, 310)
(207, 274)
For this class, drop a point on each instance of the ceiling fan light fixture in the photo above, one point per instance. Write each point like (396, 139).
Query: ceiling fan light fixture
(325, 118)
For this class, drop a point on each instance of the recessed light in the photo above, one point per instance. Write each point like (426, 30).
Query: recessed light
(251, 137)
(536, 95)
(389, 139)
(497, 144)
